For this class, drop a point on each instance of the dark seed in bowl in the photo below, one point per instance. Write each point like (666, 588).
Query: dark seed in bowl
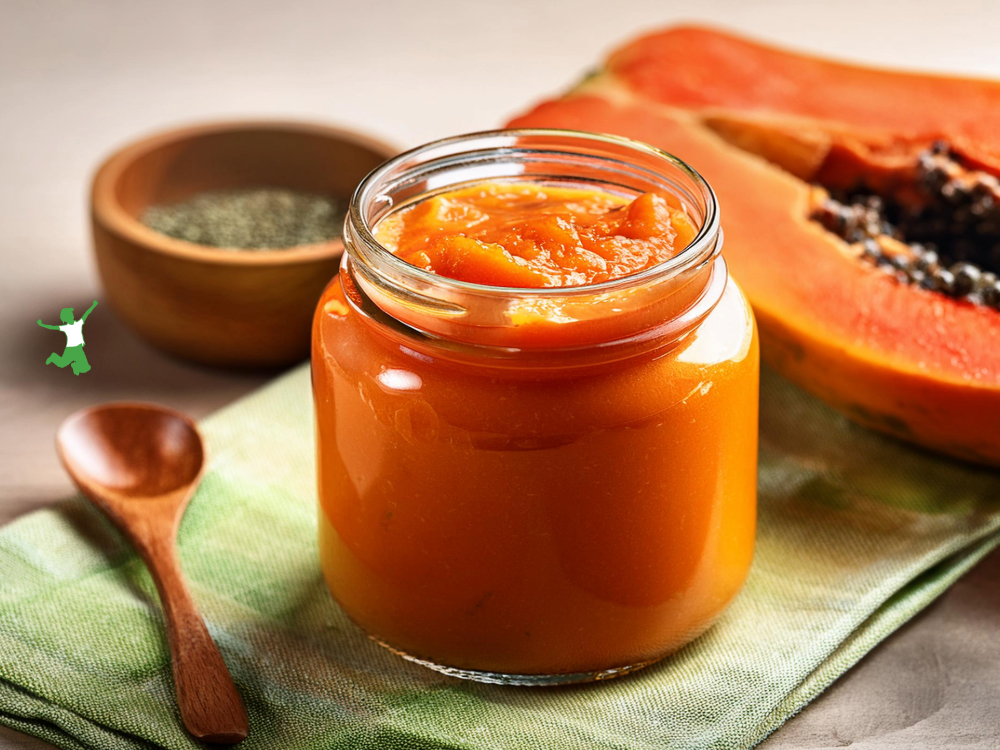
(265, 218)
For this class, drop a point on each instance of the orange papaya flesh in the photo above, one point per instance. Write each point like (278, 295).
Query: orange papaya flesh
(703, 69)
(907, 361)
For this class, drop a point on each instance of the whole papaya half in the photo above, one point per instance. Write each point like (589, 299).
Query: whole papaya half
(862, 217)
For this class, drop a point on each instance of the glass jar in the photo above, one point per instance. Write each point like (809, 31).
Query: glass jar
(535, 486)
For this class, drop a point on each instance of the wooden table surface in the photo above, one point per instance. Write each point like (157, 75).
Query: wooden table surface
(79, 78)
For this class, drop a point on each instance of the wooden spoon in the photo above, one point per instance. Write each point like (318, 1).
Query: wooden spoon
(140, 464)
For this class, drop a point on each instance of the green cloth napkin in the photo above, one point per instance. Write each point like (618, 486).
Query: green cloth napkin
(857, 533)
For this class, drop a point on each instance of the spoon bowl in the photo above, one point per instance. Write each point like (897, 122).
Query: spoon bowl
(139, 450)
(140, 464)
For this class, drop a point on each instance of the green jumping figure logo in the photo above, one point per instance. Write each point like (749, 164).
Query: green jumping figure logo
(74, 341)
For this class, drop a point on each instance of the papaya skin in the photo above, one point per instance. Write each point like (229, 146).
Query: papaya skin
(919, 366)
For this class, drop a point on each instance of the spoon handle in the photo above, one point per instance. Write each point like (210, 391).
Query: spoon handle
(210, 706)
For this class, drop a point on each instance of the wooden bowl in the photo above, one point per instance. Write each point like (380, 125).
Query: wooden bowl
(215, 306)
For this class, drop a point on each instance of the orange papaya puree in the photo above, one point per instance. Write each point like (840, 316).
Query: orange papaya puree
(562, 516)
(530, 235)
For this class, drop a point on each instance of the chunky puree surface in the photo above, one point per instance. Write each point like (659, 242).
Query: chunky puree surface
(532, 235)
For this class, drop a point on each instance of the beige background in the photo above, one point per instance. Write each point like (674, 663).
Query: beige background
(78, 78)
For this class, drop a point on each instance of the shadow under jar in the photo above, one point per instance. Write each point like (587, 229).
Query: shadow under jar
(535, 486)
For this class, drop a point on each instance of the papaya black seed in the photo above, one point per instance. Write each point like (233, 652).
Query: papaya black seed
(944, 281)
(986, 281)
(871, 250)
(926, 259)
(966, 278)
(900, 261)
(991, 295)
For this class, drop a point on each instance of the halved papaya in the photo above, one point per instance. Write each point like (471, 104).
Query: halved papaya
(861, 211)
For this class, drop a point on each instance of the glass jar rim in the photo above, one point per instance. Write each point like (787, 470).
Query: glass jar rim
(704, 245)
